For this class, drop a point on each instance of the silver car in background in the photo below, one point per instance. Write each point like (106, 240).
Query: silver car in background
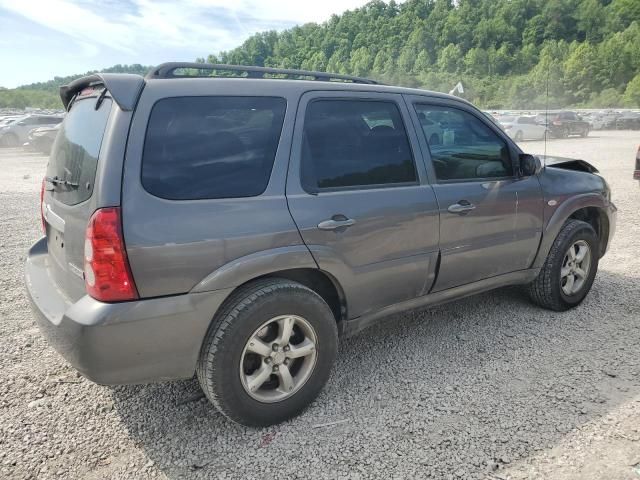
(522, 127)
(15, 132)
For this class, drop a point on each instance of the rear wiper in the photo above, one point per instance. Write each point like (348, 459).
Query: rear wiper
(57, 181)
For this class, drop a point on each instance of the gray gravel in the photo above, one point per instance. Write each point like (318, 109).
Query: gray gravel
(486, 387)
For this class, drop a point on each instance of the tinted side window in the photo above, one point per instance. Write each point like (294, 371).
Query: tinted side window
(353, 143)
(466, 148)
(211, 147)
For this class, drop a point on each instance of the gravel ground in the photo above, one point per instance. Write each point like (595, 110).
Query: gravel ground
(486, 387)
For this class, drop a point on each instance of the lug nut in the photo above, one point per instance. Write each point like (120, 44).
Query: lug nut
(275, 368)
(267, 360)
(286, 348)
(275, 347)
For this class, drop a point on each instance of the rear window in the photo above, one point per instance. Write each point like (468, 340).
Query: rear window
(74, 156)
(211, 147)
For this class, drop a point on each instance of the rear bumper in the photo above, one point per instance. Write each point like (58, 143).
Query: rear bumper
(120, 343)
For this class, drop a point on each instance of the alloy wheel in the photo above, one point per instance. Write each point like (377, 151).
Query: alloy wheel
(575, 267)
(278, 358)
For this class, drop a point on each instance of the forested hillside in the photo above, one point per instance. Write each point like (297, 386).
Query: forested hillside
(45, 94)
(504, 51)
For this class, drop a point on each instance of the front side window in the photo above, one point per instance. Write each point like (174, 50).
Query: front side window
(211, 147)
(354, 144)
(466, 148)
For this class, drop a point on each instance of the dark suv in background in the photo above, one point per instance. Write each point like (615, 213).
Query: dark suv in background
(235, 221)
(565, 123)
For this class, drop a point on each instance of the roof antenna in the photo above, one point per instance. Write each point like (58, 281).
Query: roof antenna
(546, 120)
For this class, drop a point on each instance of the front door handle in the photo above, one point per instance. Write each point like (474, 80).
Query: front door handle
(338, 221)
(462, 207)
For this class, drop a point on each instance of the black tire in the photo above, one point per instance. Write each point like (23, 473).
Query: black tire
(218, 367)
(565, 132)
(9, 140)
(585, 132)
(546, 289)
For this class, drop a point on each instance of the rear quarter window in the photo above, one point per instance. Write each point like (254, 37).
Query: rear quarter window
(74, 156)
(211, 147)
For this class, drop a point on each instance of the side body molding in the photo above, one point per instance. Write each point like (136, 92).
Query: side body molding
(560, 216)
(257, 264)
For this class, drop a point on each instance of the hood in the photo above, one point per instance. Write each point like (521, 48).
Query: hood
(567, 163)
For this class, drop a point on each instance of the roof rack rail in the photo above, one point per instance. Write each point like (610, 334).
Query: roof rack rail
(168, 70)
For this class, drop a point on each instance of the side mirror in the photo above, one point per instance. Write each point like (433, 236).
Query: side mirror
(529, 165)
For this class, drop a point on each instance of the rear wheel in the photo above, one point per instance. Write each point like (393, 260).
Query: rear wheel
(569, 270)
(585, 132)
(565, 132)
(268, 353)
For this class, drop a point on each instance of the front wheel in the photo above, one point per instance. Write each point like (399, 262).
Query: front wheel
(268, 353)
(569, 270)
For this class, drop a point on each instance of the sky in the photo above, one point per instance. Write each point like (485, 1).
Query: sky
(41, 39)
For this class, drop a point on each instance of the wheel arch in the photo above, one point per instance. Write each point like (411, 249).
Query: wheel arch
(597, 218)
(293, 263)
(590, 208)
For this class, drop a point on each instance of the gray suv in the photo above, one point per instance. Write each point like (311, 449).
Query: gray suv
(235, 222)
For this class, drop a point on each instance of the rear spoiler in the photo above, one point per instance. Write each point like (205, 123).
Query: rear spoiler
(124, 88)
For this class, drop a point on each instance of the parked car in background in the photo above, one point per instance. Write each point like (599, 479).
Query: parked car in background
(236, 228)
(596, 121)
(41, 139)
(522, 127)
(566, 123)
(493, 118)
(609, 119)
(628, 121)
(7, 119)
(14, 133)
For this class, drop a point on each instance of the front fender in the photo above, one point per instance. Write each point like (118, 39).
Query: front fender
(561, 215)
(248, 267)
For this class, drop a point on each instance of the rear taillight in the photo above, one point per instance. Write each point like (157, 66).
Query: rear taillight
(44, 226)
(107, 275)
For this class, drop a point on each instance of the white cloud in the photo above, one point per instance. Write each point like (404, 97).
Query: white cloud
(207, 25)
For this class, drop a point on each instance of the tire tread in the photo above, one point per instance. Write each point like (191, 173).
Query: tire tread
(231, 310)
(542, 291)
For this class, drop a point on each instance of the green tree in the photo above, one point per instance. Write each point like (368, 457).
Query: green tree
(450, 58)
(632, 92)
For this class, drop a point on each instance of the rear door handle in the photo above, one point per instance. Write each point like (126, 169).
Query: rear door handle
(336, 223)
(462, 207)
